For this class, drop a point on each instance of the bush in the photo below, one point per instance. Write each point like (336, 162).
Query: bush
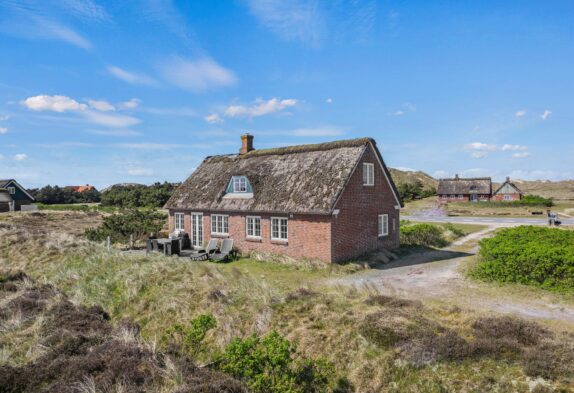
(426, 235)
(128, 225)
(537, 256)
(267, 365)
(415, 190)
(190, 338)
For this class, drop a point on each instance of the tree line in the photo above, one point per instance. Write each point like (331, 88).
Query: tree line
(122, 196)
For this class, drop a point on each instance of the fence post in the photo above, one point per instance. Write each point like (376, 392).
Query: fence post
(131, 241)
(108, 243)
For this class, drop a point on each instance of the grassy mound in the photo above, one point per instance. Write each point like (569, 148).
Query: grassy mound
(429, 235)
(542, 257)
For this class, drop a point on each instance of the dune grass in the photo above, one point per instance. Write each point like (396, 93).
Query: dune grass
(344, 325)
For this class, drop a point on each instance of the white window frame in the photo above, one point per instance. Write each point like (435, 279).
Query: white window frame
(252, 226)
(280, 229)
(11, 190)
(239, 184)
(507, 197)
(220, 222)
(176, 221)
(383, 225)
(368, 174)
(460, 196)
(196, 224)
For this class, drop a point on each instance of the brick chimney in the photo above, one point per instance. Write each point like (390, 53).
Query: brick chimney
(246, 143)
(507, 178)
(456, 177)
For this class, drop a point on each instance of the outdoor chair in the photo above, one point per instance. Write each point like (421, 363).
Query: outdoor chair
(224, 253)
(202, 255)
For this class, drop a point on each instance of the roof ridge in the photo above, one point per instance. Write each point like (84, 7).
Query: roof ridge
(465, 178)
(304, 148)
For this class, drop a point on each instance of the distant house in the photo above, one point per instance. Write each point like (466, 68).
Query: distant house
(464, 189)
(87, 187)
(330, 201)
(508, 191)
(13, 196)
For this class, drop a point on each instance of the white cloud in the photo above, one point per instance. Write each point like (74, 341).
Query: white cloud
(130, 104)
(329, 100)
(259, 108)
(440, 174)
(102, 106)
(406, 107)
(3, 130)
(20, 157)
(520, 113)
(405, 169)
(310, 132)
(546, 114)
(290, 19)
(131, 77)
(62, 104)
(480, 146)
(514, 148)
(4, 117)
(1, 157)
(109, 120)
(521, 155)
(214, 118)
(197, 75)
(478, 154)
(53, 103)
(140, 172)
(85, 9)
(55, 30)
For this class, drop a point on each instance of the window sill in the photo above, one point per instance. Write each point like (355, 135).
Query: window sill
(253, 239)
(383, 236)
(280, 242)
(220, 235)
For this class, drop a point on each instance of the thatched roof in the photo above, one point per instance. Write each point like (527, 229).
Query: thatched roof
(293, 179)
(508, 188)
(476, 185)
(3, 183)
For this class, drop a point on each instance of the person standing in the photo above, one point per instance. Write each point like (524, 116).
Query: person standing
(551, 218)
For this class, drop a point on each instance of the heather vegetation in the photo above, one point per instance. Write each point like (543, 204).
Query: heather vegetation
(538, 256)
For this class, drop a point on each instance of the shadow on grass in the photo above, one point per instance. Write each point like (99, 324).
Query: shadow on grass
(418, 255)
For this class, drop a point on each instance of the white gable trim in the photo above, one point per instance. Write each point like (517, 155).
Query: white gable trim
(398, 205)
(14, 182)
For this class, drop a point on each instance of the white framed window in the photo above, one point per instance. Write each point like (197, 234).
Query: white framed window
(452, 196)
(444, 196)
(239, 184)
(279, 228)
(179, 221)
(11, 190)
(219, 224)
(368, 174)
(383, 224)
(460, 196)
(507, 197)
(253, 227)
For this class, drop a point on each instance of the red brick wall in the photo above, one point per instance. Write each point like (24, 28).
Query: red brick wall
(309, 236)
(465, 198)
(355, 228)
(500, 197)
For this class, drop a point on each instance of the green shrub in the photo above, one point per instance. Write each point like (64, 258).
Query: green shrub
(191, 337)
(267, 365)
(427, 235)
(138, 195)
(529, 255)
(128, 225)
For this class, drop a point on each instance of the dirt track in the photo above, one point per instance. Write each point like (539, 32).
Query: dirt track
(436, 275)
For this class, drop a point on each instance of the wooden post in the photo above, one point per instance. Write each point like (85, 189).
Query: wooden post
(131, 241)
(108, 243)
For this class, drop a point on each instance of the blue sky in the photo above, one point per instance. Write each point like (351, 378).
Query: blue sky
(141, 91)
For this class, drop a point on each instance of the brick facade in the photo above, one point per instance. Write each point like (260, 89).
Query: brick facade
(355, 228)
(506, 197)
(331, 238)
(465, 198)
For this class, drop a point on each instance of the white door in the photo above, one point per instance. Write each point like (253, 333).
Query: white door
(196, 230)
(12, 205)
(473, 197)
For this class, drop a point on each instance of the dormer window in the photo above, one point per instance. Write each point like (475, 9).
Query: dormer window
(239, 184)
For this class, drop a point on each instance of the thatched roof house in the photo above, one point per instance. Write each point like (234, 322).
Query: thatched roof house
(306, 184)
(465, 189)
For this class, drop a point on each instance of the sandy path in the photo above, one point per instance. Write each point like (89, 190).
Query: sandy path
(436, 275)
